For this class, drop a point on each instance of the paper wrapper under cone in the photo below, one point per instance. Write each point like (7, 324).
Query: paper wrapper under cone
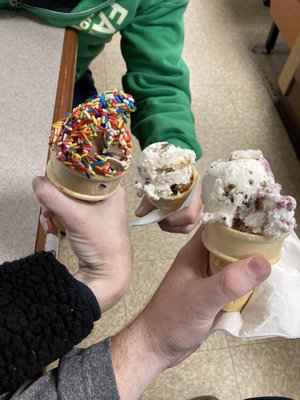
(172, 203)
(75, 184)
(227, 245)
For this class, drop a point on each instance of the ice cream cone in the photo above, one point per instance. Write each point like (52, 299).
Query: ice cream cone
(227, 245)
(172, 203)
(75, 184)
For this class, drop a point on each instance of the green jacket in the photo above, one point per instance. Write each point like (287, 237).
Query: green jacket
(152, 35)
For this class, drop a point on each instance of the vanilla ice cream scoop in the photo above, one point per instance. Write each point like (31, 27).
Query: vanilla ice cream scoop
(165, 170)
(242, 194)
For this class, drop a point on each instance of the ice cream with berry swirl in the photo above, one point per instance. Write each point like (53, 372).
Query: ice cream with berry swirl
(241, 193)
(245, 214)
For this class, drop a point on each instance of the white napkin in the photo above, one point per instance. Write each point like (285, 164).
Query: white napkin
(274, 307)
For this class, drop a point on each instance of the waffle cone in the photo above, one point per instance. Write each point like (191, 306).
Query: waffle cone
(227, 245)
(75, 184)
(172, 203)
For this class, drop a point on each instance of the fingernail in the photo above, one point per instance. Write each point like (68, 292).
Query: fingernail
(36, 181)
(259, 268)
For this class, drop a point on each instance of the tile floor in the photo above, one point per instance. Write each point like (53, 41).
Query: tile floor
(233, 110)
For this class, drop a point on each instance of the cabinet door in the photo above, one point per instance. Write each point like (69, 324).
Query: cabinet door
(286, 15)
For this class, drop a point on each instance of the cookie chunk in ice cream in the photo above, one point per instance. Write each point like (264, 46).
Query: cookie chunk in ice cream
(165, 170)
(167, 175)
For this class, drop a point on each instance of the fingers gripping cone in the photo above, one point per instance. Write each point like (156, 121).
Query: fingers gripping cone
(73, 183)
(174, 202)
(227, 245)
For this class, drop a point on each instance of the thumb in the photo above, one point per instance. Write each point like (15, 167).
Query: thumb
(237, 279)
(144, 208)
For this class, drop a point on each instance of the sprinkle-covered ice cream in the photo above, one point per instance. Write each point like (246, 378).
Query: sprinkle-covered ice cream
(242, 194)
(165, 170)
(93, 139)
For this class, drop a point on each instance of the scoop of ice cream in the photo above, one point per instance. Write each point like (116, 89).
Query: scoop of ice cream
(242, 194)
(93, 138)
(165, 170)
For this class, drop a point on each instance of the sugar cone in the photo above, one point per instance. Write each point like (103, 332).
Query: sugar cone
(75, 184)
(172, 203)
(227, 245)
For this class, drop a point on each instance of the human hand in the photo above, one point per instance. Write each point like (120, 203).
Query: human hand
(199, 297)
(98, 234)
(180, 315)
(184, 221)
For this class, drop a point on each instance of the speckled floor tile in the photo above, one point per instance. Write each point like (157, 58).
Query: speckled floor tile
(219, 143)
(204, 373)
(275, 144)
(234, 342)
(212, 108)
(238, 67)
(217, 340)
(204, 68)
(270, 369)
(147, 276)
(231, 24)
(253, 105)
(269, 68)
(160, 245)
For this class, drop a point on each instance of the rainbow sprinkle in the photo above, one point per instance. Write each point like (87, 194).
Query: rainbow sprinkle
(93, 139)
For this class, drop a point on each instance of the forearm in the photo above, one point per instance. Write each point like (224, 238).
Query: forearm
(148, 345)
(135, 360)
(158, 78)
(162, 335)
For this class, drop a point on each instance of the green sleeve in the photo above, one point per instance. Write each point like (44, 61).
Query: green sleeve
(4, 5)
(89, 47)
(157, 76)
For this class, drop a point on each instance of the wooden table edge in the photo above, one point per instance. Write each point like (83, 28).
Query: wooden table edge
(63, 100)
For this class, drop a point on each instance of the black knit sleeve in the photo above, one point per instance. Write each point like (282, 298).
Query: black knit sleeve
(43, 314)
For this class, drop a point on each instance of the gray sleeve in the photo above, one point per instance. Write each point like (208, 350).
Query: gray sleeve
(82, 374)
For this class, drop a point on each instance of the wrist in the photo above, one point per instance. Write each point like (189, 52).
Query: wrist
(135, 359)
(108, 282)
(90, 299)
(162, 341)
